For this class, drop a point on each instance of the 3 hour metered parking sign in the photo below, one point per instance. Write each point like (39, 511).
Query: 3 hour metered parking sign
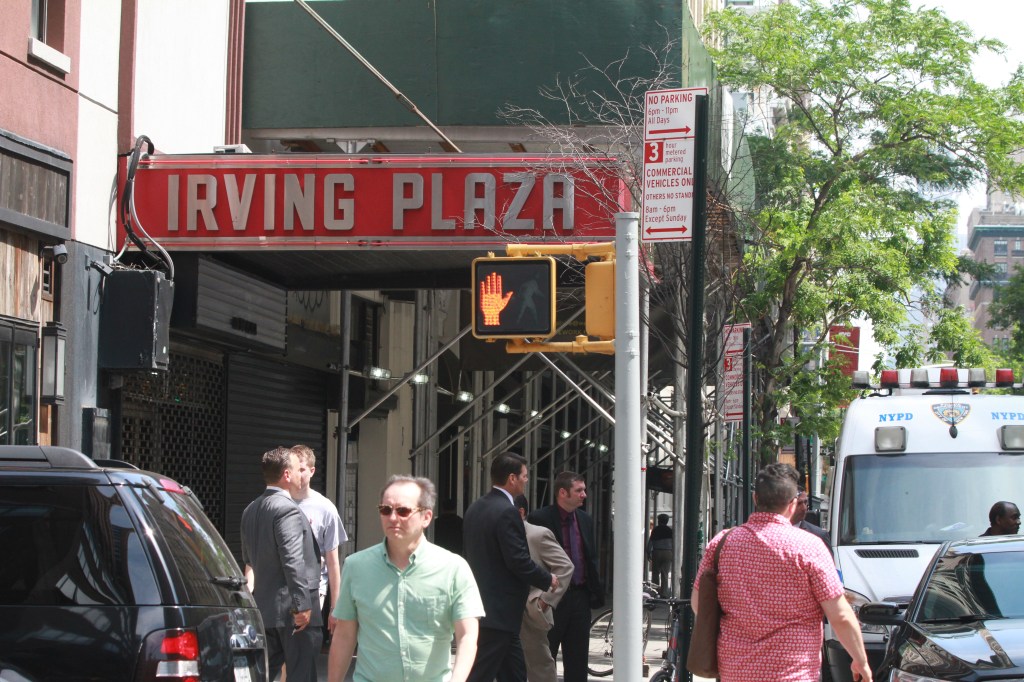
(514, 298)
(669, 160)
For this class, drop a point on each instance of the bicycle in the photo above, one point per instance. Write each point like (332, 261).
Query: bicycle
(602, 634)
(668, 671)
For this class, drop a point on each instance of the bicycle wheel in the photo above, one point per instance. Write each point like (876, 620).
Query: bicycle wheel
(599, 663)
(647, 629)
(662, 676)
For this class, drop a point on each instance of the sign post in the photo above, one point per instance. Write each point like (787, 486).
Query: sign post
(694, 379)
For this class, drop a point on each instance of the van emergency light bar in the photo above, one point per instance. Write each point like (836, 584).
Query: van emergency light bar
(944, 377)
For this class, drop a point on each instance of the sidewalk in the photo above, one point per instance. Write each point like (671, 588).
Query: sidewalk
(657, 641)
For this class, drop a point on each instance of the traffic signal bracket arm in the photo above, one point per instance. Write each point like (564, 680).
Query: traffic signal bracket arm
(581, 345)
(581, 252)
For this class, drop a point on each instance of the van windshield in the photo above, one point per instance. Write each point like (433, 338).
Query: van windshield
(924, 498)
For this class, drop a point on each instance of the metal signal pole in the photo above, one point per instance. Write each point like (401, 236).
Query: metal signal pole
(628, 497)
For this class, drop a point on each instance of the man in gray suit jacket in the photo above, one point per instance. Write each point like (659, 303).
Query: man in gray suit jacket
(539, 615)
(283, 567)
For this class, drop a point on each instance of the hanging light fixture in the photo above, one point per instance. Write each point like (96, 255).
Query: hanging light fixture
(53, 346)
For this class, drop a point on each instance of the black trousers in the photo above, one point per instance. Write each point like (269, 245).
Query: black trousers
(571, 632)
(298, 651)
(499, 655)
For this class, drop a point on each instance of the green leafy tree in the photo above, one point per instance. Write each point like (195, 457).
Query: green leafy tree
(883, 115)
(1007, 312)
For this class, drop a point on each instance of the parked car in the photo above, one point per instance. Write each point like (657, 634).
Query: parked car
(112, 573)
(965, 621)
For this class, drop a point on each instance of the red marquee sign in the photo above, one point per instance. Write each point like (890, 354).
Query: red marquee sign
(247, 201)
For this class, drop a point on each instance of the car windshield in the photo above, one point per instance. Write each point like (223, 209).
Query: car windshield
(964, 586)
(927, 498)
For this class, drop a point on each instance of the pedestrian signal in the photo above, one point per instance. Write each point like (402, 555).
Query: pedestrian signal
(514, 298)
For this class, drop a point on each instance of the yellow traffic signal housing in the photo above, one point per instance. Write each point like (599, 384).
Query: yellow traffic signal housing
(514, 298)
(600, 299)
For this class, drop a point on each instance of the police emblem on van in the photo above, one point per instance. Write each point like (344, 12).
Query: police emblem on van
(951, 413)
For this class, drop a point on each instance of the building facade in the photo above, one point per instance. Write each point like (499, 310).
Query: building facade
(268, 347)
(995, 235)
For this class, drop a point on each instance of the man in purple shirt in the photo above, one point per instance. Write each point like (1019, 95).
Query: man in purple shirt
(574, 529)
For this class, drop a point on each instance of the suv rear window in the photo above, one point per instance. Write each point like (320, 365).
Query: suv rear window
(193, 543)
(70, 545)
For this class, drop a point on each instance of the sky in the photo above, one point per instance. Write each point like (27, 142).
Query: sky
(999, 19)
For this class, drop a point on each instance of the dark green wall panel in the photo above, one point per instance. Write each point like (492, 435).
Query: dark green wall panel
(458, 60)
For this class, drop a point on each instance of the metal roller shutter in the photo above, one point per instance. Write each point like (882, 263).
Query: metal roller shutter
(269, 404)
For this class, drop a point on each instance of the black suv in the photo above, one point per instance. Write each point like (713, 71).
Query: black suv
(111, 573)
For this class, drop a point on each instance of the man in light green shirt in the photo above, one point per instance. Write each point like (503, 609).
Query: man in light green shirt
(402, 600)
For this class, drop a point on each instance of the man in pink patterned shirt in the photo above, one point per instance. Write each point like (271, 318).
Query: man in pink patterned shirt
(774, 583)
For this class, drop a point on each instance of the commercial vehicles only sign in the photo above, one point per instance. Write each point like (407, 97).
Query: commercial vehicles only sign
(669, 159)
(732, 372)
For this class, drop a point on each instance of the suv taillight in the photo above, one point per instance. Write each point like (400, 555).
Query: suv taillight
(171, 655)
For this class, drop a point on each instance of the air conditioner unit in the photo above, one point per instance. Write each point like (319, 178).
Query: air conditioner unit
(231, 149)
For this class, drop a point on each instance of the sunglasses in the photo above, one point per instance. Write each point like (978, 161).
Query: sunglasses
(403, 512)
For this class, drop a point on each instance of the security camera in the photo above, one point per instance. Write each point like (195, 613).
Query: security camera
(60, 254)
(57, 252)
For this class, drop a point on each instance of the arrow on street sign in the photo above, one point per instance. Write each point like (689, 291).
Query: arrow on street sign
(669, 131)
(660, 230)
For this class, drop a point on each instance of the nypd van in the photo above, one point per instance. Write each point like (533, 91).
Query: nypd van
(922, 457)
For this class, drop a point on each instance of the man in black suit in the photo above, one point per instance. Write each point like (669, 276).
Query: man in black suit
(574, 529)
(495, 545)
(283, 568)
(799, 519)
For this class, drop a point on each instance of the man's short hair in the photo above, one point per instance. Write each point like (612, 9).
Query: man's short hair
(274, 463)
(428, 494)
(776, 486)
(662, 519)
(998, 511)
(565, 480)
(305, 455)
(522, 503)
(504, 465)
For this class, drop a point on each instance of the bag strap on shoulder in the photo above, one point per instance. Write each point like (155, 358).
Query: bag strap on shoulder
(718, 549)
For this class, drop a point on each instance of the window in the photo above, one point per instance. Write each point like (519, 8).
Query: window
(18, 343)
(39, 20)
(999, 247)
(884, 498)
(1000, 270)
(46, 35)
(71, 546)
(47, 284)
